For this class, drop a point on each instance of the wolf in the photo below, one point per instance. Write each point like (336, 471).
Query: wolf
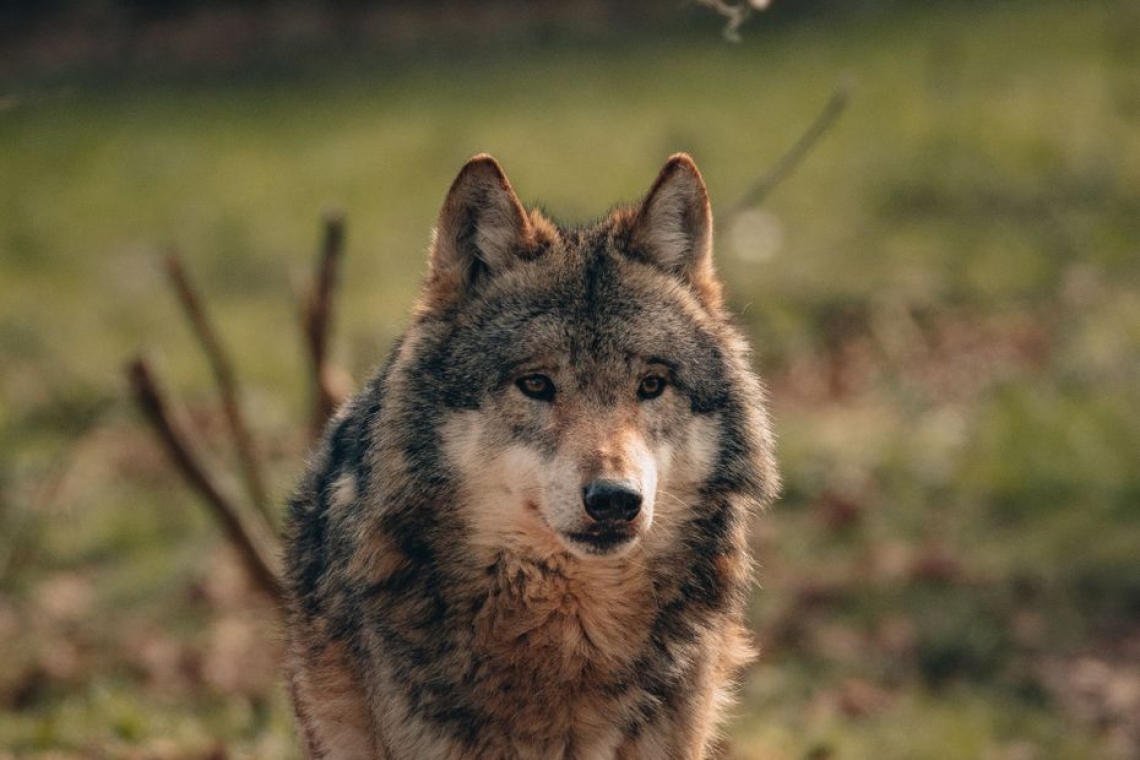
(526, 537)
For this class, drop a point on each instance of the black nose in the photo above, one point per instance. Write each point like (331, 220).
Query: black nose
(609, 500)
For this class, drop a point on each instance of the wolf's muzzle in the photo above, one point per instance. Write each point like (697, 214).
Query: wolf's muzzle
(611, 501)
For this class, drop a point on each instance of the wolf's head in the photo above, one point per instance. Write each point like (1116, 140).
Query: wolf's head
(589, 391)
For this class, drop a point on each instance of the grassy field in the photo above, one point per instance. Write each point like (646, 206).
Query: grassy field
(945, 301)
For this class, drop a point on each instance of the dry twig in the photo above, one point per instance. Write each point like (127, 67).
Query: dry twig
(795, 155)
(227, 386)
(317, 318)
(255, 543)
(735, 15)
(256, 550)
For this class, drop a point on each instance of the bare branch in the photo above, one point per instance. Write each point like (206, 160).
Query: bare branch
(736, 15)
(254, 548)
(317, 316)
(227, 386)
(795, 155)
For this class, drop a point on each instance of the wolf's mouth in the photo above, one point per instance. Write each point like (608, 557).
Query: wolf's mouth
(604, 537)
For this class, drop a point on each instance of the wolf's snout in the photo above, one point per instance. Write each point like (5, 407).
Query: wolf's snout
(611, 501)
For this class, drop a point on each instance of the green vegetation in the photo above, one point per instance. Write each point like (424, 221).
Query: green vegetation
(945, 300)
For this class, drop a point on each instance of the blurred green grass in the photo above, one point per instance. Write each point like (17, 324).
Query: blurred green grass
(944, 299)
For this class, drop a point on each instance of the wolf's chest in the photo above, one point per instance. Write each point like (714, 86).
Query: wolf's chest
(556, 647)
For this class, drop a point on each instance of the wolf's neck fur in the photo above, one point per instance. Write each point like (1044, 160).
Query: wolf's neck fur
(558, 639)
(588, 616)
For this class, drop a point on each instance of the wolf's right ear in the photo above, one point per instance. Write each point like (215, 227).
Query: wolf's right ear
(483, 229)
(673, 228)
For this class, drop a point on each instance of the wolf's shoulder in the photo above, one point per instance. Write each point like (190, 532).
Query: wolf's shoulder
(339, 472)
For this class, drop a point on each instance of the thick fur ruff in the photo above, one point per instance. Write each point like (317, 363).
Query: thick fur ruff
(526, 537)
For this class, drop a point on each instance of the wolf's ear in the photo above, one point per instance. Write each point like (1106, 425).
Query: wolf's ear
(673, 228)
(482, 230)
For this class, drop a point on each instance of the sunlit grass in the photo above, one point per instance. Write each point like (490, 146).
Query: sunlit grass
(946, 307)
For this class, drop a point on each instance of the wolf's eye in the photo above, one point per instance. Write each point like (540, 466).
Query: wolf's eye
(651, 387)
(536, 386)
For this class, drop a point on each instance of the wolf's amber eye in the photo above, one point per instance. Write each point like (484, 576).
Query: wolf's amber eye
(651, 387)
(536, 386)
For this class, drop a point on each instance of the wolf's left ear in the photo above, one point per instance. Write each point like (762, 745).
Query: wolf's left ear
(482, 230)
(673, 228)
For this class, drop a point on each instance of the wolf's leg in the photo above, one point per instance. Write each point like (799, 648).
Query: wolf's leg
(688, 735)
(691, 730)
(332, 711)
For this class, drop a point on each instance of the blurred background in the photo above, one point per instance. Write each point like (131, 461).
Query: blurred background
(944, 299)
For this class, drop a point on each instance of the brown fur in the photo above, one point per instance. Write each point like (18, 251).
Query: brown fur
(327, 693)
